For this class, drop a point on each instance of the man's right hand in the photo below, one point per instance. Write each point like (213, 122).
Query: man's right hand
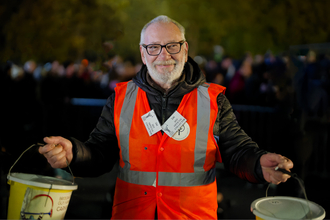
(58, 151)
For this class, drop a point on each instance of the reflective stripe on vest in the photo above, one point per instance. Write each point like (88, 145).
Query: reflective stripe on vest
(198, 177)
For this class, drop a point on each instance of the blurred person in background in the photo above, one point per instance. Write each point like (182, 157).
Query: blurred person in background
(236, 86)
(168, 128)
(228, 69)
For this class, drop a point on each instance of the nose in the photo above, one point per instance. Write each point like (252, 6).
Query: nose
(164, 54)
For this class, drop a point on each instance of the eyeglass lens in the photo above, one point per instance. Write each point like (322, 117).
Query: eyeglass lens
(172, 48)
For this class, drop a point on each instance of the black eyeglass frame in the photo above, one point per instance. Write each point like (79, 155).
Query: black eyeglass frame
(161, 47)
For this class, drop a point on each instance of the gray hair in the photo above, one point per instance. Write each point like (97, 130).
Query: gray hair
(162, 19)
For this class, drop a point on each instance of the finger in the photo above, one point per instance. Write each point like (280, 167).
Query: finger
(279, 160)
(53, 139)
(284, 180)
(51, 142)
(46, 148)
(274, 180)
(280, 176)
(57, 158)
(61, 162)
(55, 150)
(283, 171)
(270, 159)
(283, 174)
(58, 140)
(285, 163)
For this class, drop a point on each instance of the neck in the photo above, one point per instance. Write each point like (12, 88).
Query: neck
(164, 87)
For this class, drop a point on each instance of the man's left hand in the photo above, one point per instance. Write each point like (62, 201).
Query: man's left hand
(268, 164)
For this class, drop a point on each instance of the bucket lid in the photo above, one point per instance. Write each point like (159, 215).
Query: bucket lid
(284, 207)
(42, 181)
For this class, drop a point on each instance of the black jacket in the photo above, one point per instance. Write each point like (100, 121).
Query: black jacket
(100, 152)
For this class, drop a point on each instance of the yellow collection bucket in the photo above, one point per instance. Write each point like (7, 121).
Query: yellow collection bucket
(38, 197)
(285, 207)
(34, 196)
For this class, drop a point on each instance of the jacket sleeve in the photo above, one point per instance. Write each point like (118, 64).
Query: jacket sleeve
(100, 152)
(239, 153)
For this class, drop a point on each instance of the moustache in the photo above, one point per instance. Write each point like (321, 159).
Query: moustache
(167, 62)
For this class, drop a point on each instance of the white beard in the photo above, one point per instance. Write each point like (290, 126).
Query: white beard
(168, 77)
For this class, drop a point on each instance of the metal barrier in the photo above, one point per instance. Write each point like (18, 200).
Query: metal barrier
(272, 131)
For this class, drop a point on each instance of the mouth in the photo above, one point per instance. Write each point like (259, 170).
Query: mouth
(164, 64)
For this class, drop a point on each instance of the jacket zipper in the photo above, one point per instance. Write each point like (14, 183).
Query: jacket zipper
(164, 106)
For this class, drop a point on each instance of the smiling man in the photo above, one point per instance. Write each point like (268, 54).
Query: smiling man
(168, 128)
(163, 43)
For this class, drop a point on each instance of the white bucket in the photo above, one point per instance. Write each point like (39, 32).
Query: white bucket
(284, 207)
(38, 197)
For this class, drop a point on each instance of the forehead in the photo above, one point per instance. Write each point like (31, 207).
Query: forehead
(162, 33)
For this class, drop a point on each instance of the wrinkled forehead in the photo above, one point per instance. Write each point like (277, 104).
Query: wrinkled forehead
(162, 33)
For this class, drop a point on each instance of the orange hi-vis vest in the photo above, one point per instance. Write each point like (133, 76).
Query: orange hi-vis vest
(175, 174)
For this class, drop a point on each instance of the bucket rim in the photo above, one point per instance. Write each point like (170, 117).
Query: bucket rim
(27, 179)
(320, 216)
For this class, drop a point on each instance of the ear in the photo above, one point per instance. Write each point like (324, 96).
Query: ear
(186, 49)
(142, 55)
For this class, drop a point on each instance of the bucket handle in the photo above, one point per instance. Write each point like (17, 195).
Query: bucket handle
(300, 181)
(38, 144)
(293, 175)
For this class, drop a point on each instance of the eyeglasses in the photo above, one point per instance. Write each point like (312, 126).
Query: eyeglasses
(171, 48)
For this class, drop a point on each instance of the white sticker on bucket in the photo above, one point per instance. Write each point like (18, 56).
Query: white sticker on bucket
(41, 204)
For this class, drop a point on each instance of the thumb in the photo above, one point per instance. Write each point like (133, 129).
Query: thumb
(50, 140)
(55, 140)
(50, 145)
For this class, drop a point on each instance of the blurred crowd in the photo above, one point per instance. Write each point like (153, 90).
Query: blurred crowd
(36, 98)
(264, 80)
(54, 80)
(286, 81)
(33, 94)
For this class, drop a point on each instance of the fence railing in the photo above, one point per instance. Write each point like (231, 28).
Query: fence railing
(272, 131)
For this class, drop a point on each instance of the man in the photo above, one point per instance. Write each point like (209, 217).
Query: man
(168, 128)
